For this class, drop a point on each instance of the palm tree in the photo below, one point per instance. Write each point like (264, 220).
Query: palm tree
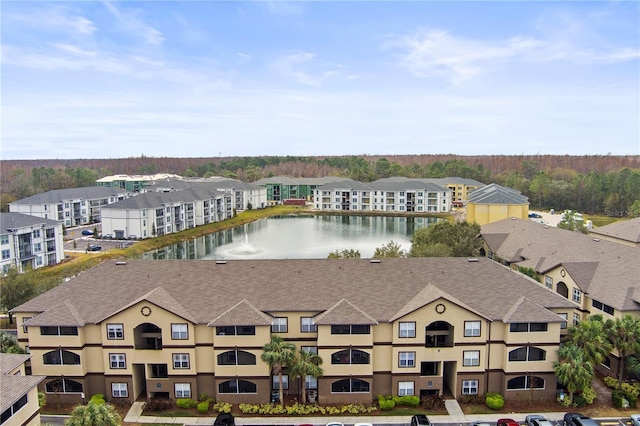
(591, 336)
(624, 334)
(306, 364)
(573, 369)
(94, 414)
(278, 354)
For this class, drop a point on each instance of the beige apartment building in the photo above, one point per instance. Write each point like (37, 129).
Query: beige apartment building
(18, 392)
(184, 328)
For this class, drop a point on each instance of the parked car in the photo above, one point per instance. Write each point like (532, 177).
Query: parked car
(420, 420)
(334, 424)
(87, 232)
(635, 419)
(537, 420)
(225, 419)
(507, 422)
(578, 419)
(93, 247)
(480, 423)
(363, 424)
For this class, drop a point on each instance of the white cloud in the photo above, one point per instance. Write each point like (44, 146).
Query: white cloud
(55, 18)
(284, 8)
(292, 67)
(75, 50)
(129, 20)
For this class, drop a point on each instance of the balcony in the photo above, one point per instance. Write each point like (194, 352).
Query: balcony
(148, 337)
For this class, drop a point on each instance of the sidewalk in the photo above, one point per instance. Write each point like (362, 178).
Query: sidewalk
(455, 416)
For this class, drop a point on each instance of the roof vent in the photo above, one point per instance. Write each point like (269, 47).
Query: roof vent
(472, 259)
(221, 262)
(596, 239)
(375, 261)
(121, 262)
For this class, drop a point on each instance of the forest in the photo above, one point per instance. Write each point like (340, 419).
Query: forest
(594, 184)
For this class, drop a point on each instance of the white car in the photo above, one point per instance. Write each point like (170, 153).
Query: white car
(635, 419)
(334, 424)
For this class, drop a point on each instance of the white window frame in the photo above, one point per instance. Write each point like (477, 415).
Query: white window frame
(181, 361)
(406, 359)
(278, 323)
(576, 295)
(117, 361)
(182, 390)
(307, 325)
(119, 390)
(576, 318)
(470, 358)
(563, 325)
(470, 329)
(310, 349)
(180, 331)
(469, 387)
(548, 281)
(113, 330)
(407, 329)
(406, 388)
(275, 382)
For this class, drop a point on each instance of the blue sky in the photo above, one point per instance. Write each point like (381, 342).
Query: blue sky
(114, 79)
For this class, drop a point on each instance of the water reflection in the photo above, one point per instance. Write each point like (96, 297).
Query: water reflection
(297, 237)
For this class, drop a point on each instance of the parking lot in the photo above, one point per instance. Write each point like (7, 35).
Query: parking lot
(75, 241)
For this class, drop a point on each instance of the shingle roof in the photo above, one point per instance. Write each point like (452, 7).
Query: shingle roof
(627, 230)
(9, 362)
(524, 310)
(344, 312)
(286, 180)
(604, 269)
(84, 193)
(427, 295)
(11, 221)
(242, 313)
(378, 290)
(14, 387)
(496, 194)
(151, 200)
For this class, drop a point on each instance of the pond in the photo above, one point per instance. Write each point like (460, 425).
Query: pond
(298, 237)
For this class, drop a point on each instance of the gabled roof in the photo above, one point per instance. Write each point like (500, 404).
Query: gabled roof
(9, 362)
(14, 387)
(524, 310)
(242, 313)
(64, 314)
(84, 193)
(344, 312)
(428, 294)
(13, 221)
(160, 297)
(286, 180)
(627, 230)
(496, 194)
(603, 269)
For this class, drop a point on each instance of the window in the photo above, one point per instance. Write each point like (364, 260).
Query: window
(237, 386)
(406, 359)
(115, 331)
(471, 358)
(236, 357)
(525, 327)
(6, 254)
(311, 382)
(36, 233)
(350, 356)
(576, 318)
(469, 387)
(179, 332)
(407, 329)
(563, 324)
(117, 361)
(240, 330)
(4, 239)
(525, 382)
(601, 306)
(548, 281)
(307, 325)
(279, 325)
(471, 328)
(350, 385)
(180, 361)
(405, 388)
(576, 295)
(310, 349)
(350, 329)
(275, 384)
(61, 357)
(63, 386)
(183, 390)
(429, 368)
(527, 353)
(119, 390)
(25, 329)
(13, 409)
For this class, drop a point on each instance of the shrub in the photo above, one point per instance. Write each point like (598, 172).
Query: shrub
(495, 401)
(97, 399)
(157, 404)
(630, 390)
(386, 404)
(579, 401)
(186, 403)
(589, 395)
(618, 399)
(223, 407)
(203, 397)
(203, 407)
(433, 402)
(42, 399)
(565, 401)
(611, 382)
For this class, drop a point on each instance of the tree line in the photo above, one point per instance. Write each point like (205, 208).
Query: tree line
(607, 185)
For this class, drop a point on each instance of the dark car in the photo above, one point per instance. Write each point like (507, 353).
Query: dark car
(537, 420)
(87, 232)
(420, 420)
(93, 247)
(578, 419)
(225, 419)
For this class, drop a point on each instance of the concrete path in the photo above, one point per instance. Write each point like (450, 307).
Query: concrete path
(454, 410)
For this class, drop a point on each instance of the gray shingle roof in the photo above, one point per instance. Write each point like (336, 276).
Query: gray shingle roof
(627, 230)
(12, 388)
(378, 290)
(496, 194)
(84, 193)
(11, 221)
(9, 362)
(286, 180)
(344, 312)
(152, 200)
(604, 269)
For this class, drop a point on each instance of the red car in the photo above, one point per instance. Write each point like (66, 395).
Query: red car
(507, 422)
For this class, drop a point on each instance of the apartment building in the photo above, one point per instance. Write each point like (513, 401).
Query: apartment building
(598, 276)
(133, 183)
(29, 242)
(282, 188)
(384, 195)
(394, 326)
(19, 392)
(72, 206)
(623, 232)
(152, 214)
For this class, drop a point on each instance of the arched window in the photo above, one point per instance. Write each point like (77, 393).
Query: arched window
(61, 357)
(350, 385)
(562, 289)
(236, 358)
(63, 386)
(525, 382)
(237, 386)
(528, 353)
(439, 334)
(350, 356)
